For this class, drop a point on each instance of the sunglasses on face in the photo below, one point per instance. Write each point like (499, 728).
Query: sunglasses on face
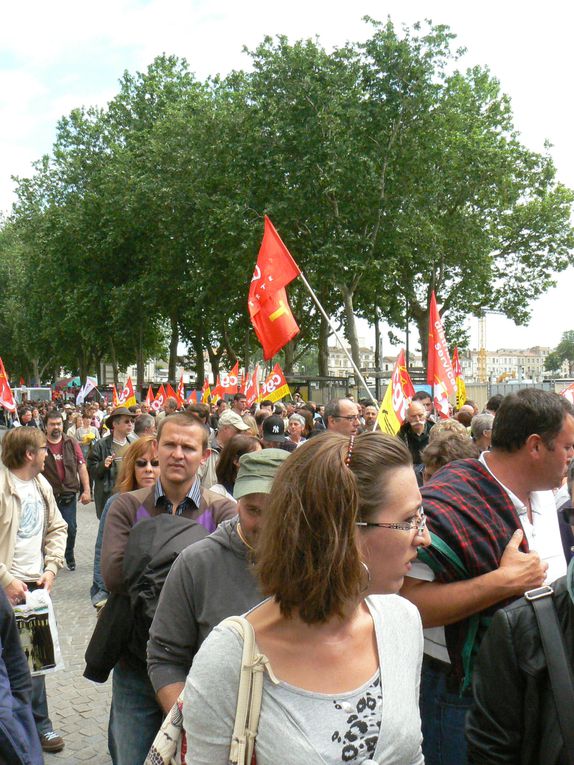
(141, 463)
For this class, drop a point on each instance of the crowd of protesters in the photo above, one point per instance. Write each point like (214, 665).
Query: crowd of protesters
(314, 523)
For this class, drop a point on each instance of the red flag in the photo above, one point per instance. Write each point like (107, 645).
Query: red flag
(393, 409)
(229, 382)
(170, 393)
(22, 382)
(439, 368)
(6, 395)
(149, 396)
(269, 310)
(159, 400)
(180, 391)
(115, 400)
(275, 386)
(252, 386)
(568, 393)
(219, 391)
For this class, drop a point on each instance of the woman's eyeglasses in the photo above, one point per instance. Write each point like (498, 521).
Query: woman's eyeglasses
(141, 463)
(419, 523)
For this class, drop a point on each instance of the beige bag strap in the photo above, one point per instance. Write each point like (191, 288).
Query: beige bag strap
(253, 665)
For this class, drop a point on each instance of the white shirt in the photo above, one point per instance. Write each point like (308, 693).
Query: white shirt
(543, 536)
(27, 564)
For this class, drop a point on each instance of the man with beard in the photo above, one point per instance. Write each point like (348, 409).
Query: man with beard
(66, 472)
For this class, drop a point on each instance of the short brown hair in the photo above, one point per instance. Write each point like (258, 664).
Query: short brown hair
(447, 447)
(308, 556)
(17, 442)
(183, 420)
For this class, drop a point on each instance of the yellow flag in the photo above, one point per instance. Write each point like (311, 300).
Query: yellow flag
(387, 419)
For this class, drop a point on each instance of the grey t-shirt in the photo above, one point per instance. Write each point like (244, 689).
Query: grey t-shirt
(344, 727)
(298, 726)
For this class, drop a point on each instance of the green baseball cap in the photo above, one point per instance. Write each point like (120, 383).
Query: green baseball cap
(257, 471)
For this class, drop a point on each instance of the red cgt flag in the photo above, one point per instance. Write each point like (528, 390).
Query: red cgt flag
(269, 310)
(6, 395)
(229, 381)
(159, 400)
(180, 391)
(149, 396)
(440, 373)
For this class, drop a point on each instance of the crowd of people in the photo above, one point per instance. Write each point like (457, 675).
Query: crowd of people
(383, 576)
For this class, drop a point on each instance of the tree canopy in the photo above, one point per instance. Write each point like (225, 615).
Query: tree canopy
(388, 171)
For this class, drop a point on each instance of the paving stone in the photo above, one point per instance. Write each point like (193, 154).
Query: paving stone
(79, 709)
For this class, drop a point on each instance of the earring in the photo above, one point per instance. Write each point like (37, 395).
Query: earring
(364, 565)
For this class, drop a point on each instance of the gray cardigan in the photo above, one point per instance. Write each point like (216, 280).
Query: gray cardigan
(213, 681)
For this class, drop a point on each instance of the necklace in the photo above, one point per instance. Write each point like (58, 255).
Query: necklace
(240, 533)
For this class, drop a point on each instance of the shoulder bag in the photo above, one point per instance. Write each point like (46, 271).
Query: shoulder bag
(169, 746)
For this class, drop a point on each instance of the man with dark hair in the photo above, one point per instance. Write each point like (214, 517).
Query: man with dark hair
(66, 472)
(495, 536)
(493, 404)
(32, 543)
(266, 405)
(239, 403)
(342, 416)
(425, 399)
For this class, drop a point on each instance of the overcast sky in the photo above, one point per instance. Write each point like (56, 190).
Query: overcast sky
(55, 56)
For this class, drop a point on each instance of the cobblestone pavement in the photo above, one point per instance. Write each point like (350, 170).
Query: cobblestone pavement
(78, 708)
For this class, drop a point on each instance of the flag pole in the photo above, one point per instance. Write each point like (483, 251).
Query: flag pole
(345, 351)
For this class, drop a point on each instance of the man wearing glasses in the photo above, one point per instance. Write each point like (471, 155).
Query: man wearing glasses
(32, 543)
(415, 432)
(495, 535)
(342, 416)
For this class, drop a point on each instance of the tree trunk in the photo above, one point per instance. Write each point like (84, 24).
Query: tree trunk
(214, 359)
(173, 343)
(35, 372)
(114, 361)
(247, 352)
(199, 361)
(351, 326)
(140, 361)
(377, 355)
(289, 351)
(323, 350)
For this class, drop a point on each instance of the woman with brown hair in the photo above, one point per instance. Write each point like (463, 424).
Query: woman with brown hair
(342, 529)
(139, 469)
(228, 462)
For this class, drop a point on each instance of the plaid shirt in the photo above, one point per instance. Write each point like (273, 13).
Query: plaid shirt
(469, 510)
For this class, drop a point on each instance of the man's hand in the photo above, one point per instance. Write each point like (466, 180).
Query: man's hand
(524, 571)
(16, 592)
(108, 461)
(46, 580)
(85, 497)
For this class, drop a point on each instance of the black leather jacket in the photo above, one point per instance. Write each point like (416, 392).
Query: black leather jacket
(513, 718)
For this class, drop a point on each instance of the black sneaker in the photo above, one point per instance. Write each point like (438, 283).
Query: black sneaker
(71, 565)
(51, 742)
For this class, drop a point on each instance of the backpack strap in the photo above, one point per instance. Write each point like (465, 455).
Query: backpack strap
(474, 621)
(557, 661)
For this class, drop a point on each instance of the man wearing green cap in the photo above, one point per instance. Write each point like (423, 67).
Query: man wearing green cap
(211, 580)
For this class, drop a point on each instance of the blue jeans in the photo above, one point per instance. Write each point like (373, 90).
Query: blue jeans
(68, 509)
(443, 716)
(40, 704)
(135, 715)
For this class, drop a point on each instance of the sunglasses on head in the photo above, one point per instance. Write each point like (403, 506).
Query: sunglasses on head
(141, 463)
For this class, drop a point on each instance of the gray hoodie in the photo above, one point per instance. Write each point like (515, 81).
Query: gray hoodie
(211, 580)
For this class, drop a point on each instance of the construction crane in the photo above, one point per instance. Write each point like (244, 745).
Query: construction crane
(482, 375)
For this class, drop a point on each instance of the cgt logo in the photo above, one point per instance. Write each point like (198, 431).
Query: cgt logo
(272, 383)
(228, 380)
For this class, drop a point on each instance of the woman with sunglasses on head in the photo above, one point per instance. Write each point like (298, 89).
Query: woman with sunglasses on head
(342, 528)
(139, 470)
